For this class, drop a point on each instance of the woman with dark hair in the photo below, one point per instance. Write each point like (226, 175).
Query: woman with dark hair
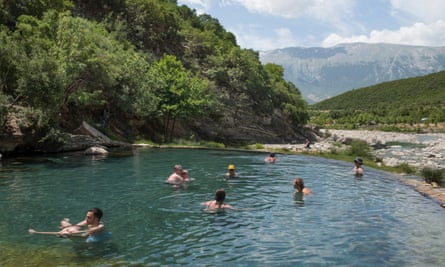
(218, 203)
(358, 168)
(300, 190)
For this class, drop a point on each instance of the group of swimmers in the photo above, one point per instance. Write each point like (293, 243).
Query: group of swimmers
(93, 229)
(180, 176)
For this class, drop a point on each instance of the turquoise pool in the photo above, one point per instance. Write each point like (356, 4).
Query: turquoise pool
(372, 221)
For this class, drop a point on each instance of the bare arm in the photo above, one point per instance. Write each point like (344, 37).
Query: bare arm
(85, 233)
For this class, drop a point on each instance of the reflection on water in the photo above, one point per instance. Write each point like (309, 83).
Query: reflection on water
(373, 220)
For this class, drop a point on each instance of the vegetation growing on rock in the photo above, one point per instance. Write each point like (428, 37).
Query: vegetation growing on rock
(138, 69)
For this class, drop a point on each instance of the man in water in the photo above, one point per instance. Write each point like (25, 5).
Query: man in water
(271, 158)
(95, 228)
(94, 232)
(176, 177)
(231, 173)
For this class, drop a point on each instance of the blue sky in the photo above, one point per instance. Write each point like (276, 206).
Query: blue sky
(271, 24)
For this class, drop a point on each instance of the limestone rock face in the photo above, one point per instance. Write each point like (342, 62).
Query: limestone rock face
(241, 127)
(19, 137)
(13, 135)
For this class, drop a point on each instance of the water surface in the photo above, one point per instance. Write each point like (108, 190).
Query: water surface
(372, 221)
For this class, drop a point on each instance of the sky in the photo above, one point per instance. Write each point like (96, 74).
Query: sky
(265, 25)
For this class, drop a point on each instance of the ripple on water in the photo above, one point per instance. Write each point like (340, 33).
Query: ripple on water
(372, 221)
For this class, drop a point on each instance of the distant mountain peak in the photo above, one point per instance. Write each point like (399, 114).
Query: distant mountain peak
(320, 73)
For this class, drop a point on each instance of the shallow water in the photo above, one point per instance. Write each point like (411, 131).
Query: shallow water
(372, 221)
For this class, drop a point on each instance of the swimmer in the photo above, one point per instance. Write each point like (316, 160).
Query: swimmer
(94, 232)
(176, 178)
(231, 173)
(358, 168)
(271, 158)
(185, 176)
(218, 203)
(300, 190)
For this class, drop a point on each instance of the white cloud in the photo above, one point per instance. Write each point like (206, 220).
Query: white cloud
(202, 6)
(427, 11)
(320, 9)
(281, 8)
(417, 34)
(249, 38)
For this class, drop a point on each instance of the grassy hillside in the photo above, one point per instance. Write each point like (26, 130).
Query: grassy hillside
(409, 101)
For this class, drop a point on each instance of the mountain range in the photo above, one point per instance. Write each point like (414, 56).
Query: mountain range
(321, 73)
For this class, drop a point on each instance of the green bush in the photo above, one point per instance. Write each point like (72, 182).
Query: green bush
(433, 175)
(259, 146)
(359, 148)
(405, 168)
(212, 144)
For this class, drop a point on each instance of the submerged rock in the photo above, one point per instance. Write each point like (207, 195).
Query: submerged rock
(96, 150)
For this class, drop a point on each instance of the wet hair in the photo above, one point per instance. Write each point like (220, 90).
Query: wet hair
(359, 161)
(96, 212)
(177, 167)
(298, 184)
(220, 195)
(272, 155)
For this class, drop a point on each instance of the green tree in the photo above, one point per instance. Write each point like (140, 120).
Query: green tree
(286, 96)
(181, 94)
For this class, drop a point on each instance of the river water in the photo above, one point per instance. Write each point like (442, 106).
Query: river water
(375, 220)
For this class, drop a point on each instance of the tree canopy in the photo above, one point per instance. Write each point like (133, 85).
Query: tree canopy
(146, 60)
(409, 101)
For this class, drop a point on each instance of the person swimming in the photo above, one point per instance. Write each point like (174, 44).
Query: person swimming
(300, 189)
(271, 158)
(94, 229)
(218, 203)
(358, 168)
(231, 173)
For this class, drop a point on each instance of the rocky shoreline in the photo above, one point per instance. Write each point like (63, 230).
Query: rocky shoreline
(418, 150)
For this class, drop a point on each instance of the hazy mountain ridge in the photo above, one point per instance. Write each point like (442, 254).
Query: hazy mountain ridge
(321, 73)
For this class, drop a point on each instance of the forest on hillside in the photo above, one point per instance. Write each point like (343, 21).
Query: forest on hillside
(407, 101)
(142, 68)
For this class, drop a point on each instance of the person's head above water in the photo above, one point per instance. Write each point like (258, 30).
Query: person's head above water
(94, 215)
(298, 184)
(358, 160)
(220, 195)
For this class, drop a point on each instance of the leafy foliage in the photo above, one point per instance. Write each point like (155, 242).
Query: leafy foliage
(414, 100)
(125, 60)
(433, 175)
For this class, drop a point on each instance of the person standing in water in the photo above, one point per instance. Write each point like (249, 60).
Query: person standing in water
(231, 173)
(300, 190)
(176, 178)
(358, 168)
